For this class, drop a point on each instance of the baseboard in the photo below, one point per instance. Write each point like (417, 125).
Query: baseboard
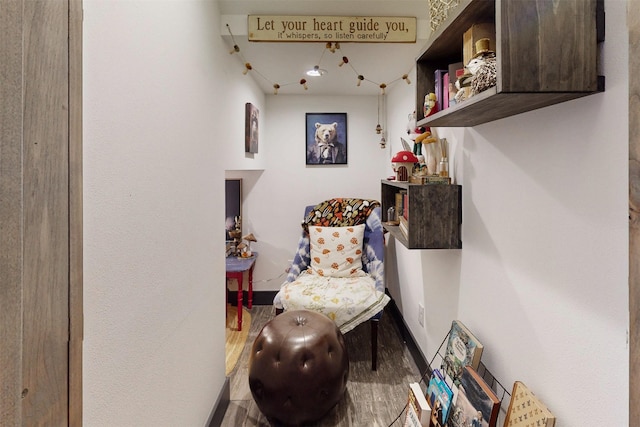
(259, 297)
(407, 337)
(220, 408)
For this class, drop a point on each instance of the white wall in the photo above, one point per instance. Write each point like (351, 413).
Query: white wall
(542, 276)
(275, 198)
(427, 277)
(231, 145)
(162, 101)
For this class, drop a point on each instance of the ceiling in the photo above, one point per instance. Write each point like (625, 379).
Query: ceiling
(285, 63)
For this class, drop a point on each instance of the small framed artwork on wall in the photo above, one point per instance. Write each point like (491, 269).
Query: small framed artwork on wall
(326, 138)
(251, 128)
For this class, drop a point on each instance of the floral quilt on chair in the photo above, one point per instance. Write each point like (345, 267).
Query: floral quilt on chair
(349, 295)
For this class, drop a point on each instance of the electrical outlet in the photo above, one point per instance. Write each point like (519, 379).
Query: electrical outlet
(421, 315)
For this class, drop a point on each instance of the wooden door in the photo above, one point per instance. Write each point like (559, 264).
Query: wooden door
(40, 212)
(633, 20)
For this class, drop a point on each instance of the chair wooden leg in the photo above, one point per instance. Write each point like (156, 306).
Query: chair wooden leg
(374, 344)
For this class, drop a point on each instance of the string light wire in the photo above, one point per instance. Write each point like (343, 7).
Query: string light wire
(329, 46)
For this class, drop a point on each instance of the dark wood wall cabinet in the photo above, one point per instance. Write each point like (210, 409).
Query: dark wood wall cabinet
(434, 214)
(546, 52)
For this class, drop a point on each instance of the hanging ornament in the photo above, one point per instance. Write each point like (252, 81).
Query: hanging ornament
(381, 114)
(378, 127)
(247, 68)
(405, 77)
(360, 79)
(332, 47)
(303, 82)
(345, 60)
(276, 86)
(236, 48)
(382, 88)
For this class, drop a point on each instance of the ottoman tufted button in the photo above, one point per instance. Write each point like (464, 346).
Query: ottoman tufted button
(298, 367)
(300, 320)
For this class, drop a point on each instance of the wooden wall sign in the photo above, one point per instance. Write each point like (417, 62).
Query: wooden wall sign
(363, 29)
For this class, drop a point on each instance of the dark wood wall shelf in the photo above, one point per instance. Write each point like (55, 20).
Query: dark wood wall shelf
(546, 51)
(435, 214)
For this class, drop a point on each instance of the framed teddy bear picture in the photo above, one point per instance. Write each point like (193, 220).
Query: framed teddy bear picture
(326, 138)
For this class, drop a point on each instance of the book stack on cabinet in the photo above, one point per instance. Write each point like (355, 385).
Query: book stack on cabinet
(432, 214)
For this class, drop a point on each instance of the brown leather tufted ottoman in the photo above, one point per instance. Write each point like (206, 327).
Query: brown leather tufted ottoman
(298, 367)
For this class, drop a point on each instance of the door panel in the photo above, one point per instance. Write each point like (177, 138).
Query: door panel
(10, 211)
(41, 212)
(633, 20)
(46, 213)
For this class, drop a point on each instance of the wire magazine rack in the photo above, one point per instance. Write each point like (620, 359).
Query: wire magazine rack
(500, 390)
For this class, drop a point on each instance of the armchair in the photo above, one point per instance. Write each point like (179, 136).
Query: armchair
(338, 268)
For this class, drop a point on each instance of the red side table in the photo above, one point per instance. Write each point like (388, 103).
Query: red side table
(236, 266)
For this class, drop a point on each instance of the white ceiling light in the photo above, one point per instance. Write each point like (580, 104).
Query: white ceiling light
(316, 71)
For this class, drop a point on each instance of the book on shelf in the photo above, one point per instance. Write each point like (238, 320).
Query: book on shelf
(445, 91)
(463, 348)
(453, 76)
(398, 202)
(477, 404)
(453, 68)
(429, 179)
(405, 205)
(526, 410)
(439, 87)
(404, 227)
(418, 410)
(440, 397)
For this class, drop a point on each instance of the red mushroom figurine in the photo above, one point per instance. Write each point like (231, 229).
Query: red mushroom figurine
(402, 164)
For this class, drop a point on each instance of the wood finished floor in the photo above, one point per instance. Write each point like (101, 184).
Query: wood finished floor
(372, 399)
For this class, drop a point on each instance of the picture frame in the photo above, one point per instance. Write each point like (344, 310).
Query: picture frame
(326, 139)
(251, 128)
(233, 204)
